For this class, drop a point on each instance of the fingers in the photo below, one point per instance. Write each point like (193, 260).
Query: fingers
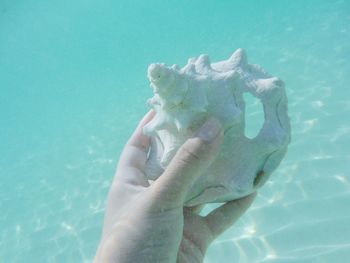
(194, 209)
(134, 155)
(139, 139)
(226, 215)
(193, 157)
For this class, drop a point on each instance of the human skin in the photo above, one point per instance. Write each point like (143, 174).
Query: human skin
(148, 223)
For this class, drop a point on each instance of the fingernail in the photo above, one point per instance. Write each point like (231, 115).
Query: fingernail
(210, 130)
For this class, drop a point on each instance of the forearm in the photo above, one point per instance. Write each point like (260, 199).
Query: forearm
(146, 241)
(109, 253)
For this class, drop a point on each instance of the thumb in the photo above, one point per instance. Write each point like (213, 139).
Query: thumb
(190, 161)
(223, 217)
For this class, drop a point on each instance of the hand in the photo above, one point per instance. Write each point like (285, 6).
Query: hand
(148, 223)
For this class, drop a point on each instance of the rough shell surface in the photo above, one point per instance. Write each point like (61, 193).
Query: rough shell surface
(184, 98)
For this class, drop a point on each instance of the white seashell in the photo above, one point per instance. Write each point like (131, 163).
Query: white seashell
(186, 97)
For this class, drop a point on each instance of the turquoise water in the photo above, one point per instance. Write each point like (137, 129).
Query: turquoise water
(73, 86)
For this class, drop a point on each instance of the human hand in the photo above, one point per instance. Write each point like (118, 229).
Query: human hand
(148, 223)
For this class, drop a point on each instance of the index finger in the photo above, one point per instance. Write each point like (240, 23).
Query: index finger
(134, 156)
(189, 162)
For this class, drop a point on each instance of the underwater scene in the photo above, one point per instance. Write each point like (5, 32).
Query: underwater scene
(74, 85)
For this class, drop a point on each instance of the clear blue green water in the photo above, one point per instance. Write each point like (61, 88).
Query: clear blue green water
(73, 86)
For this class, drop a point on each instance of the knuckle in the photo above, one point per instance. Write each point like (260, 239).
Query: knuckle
(192, 151)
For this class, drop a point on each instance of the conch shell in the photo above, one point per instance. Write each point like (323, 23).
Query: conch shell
(184, 98)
